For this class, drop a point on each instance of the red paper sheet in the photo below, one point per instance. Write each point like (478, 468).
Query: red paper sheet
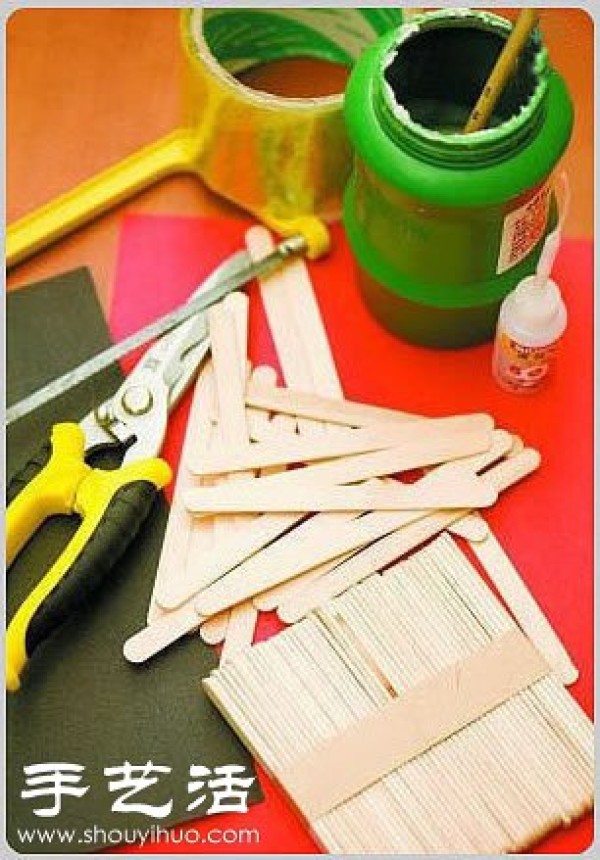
(545, 523)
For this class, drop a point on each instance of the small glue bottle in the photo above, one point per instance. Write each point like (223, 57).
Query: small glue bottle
(532, 320)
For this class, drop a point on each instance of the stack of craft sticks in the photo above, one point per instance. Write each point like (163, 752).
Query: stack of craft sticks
(251, 531)
(412, 716)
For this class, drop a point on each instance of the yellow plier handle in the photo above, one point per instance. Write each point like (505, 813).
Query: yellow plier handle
(47, 486)
(112, 505)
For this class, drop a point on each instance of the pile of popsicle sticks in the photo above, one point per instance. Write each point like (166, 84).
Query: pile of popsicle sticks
(248, 533)
(413, 716)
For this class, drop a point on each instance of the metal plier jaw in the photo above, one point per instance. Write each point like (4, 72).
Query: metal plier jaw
(136, 416)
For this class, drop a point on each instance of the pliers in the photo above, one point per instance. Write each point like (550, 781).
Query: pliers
(112, 504)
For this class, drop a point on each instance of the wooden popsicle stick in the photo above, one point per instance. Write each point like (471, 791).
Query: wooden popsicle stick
(224, 557)
(269, 600)
(162, 632)
(456, 566)
(512, 470)
(229, 350)
(229, 335)
(500, 446)
(448, 439)
(201, 540)
(323, 370)
(241, 620)
(303, 307)
(238, 304)
(471, 527)
(397, 543)
(165, 630)
(326, 382)
(380, 554)
(316, 529)
(314, 351)
(465, 491)
(277, 294)
(517, 445)
(300, 449)
(257, 712)
(524, 607)
(199, 440)
(213, 630)
(237, 627)
(214, 564)
(258, 420)
(308, 321)
(273, 287)
(307, 405)
(311, 574)
(247, 370)
(370, 529)
(240, 630)
(228, 361)
(260, 424)
(284, 424)
(181, 528)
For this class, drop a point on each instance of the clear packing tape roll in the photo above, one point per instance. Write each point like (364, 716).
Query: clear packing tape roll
(285, 160)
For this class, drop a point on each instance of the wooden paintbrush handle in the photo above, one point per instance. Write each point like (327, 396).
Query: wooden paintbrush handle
(502, 71)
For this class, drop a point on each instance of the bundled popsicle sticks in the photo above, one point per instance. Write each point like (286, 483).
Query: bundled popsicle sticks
(288, 495)
(414, 716)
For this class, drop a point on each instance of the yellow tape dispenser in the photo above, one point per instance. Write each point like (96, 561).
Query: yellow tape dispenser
(285, 160)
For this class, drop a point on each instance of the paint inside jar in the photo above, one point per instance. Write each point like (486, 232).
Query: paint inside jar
(437, 75)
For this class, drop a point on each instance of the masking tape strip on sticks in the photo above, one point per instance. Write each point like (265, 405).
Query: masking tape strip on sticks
(285, 160)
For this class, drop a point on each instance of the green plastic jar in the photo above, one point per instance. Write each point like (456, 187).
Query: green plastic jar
(443, 224)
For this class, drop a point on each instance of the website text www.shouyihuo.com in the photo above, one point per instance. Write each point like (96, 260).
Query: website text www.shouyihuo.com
(55, 837)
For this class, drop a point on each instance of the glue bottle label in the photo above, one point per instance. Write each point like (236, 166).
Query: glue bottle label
(521, 367)
(523, 228)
